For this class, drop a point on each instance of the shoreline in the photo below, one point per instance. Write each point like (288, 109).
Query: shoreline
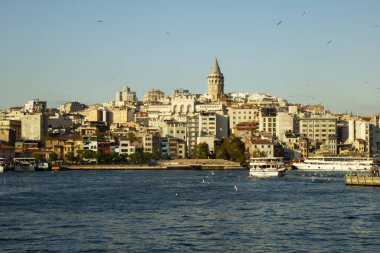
(147, 167)
(191, 164)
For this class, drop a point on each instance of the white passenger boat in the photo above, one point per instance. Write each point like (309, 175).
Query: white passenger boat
(266, 167)
(338, 163)
(25, 164)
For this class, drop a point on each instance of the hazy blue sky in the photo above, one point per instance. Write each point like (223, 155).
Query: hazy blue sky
(324, 52)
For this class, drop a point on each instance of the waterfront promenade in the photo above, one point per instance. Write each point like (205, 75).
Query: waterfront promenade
(195, 164)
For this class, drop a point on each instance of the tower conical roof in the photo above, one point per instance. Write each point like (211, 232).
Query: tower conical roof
(215, 68)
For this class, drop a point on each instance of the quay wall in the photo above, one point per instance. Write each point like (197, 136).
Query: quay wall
(188, 165)
(362, 180)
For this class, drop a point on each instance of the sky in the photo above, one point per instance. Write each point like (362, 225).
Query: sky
(312, 52)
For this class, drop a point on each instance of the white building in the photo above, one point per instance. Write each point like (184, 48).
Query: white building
(318, 129)
(33, 127)
(35, 106)
(285, 124)
(125, 147)
(126, 95)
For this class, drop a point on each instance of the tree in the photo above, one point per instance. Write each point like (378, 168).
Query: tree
(53, 156)
(131, 137)
(39, 157)
(70, 156)
(88, 154)
(137, 157)
(201, 151)
(232, 149)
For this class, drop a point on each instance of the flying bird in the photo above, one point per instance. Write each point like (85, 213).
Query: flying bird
(235, 187)
(279, 23)
(303, 14)
(328, 42)
(100, 21)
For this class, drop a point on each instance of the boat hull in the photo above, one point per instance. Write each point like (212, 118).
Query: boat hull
(24, 168)
(266, 173)
(331, 167)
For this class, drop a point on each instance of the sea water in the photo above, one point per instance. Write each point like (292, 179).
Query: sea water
(186, 211)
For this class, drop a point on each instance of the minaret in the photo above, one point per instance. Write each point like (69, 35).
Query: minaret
(215, 82)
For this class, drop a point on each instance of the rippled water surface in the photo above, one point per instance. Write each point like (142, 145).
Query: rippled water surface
(185, 211)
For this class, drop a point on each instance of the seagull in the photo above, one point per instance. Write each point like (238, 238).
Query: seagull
(235, 187)
(100, 21)
(328, 42)
(279, 23)
(303, 14)
(203, 180)
(168, 33)
(212, 173)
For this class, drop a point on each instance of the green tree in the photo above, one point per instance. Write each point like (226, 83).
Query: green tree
(131, 137)
(88, 154)
(70, 156)
(53, 156)
(123, 158)
(137, 157)
(39, 157)
(232, 149)
(201, 151)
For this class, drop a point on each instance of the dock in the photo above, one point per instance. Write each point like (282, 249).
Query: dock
(362, 180)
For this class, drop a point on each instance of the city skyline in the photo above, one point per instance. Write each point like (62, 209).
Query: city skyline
(306, 52)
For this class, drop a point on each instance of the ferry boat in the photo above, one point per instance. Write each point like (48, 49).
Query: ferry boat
(338, 163)
(266, 167)
(25, 164)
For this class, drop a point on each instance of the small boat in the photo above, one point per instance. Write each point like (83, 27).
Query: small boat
(24, 164)
(43, 166)
(370, 178)
(55, 167)
(267, 167)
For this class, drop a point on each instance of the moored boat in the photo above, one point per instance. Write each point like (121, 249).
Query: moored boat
(43, 166)
(24, 164)
(338, 163)
(266, 167)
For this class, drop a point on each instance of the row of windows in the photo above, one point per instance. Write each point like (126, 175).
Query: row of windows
(262, 146)
(243, 112)
(317, 125)
(269, 125)
(182, 131)
(269, 119)
(249, 117)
